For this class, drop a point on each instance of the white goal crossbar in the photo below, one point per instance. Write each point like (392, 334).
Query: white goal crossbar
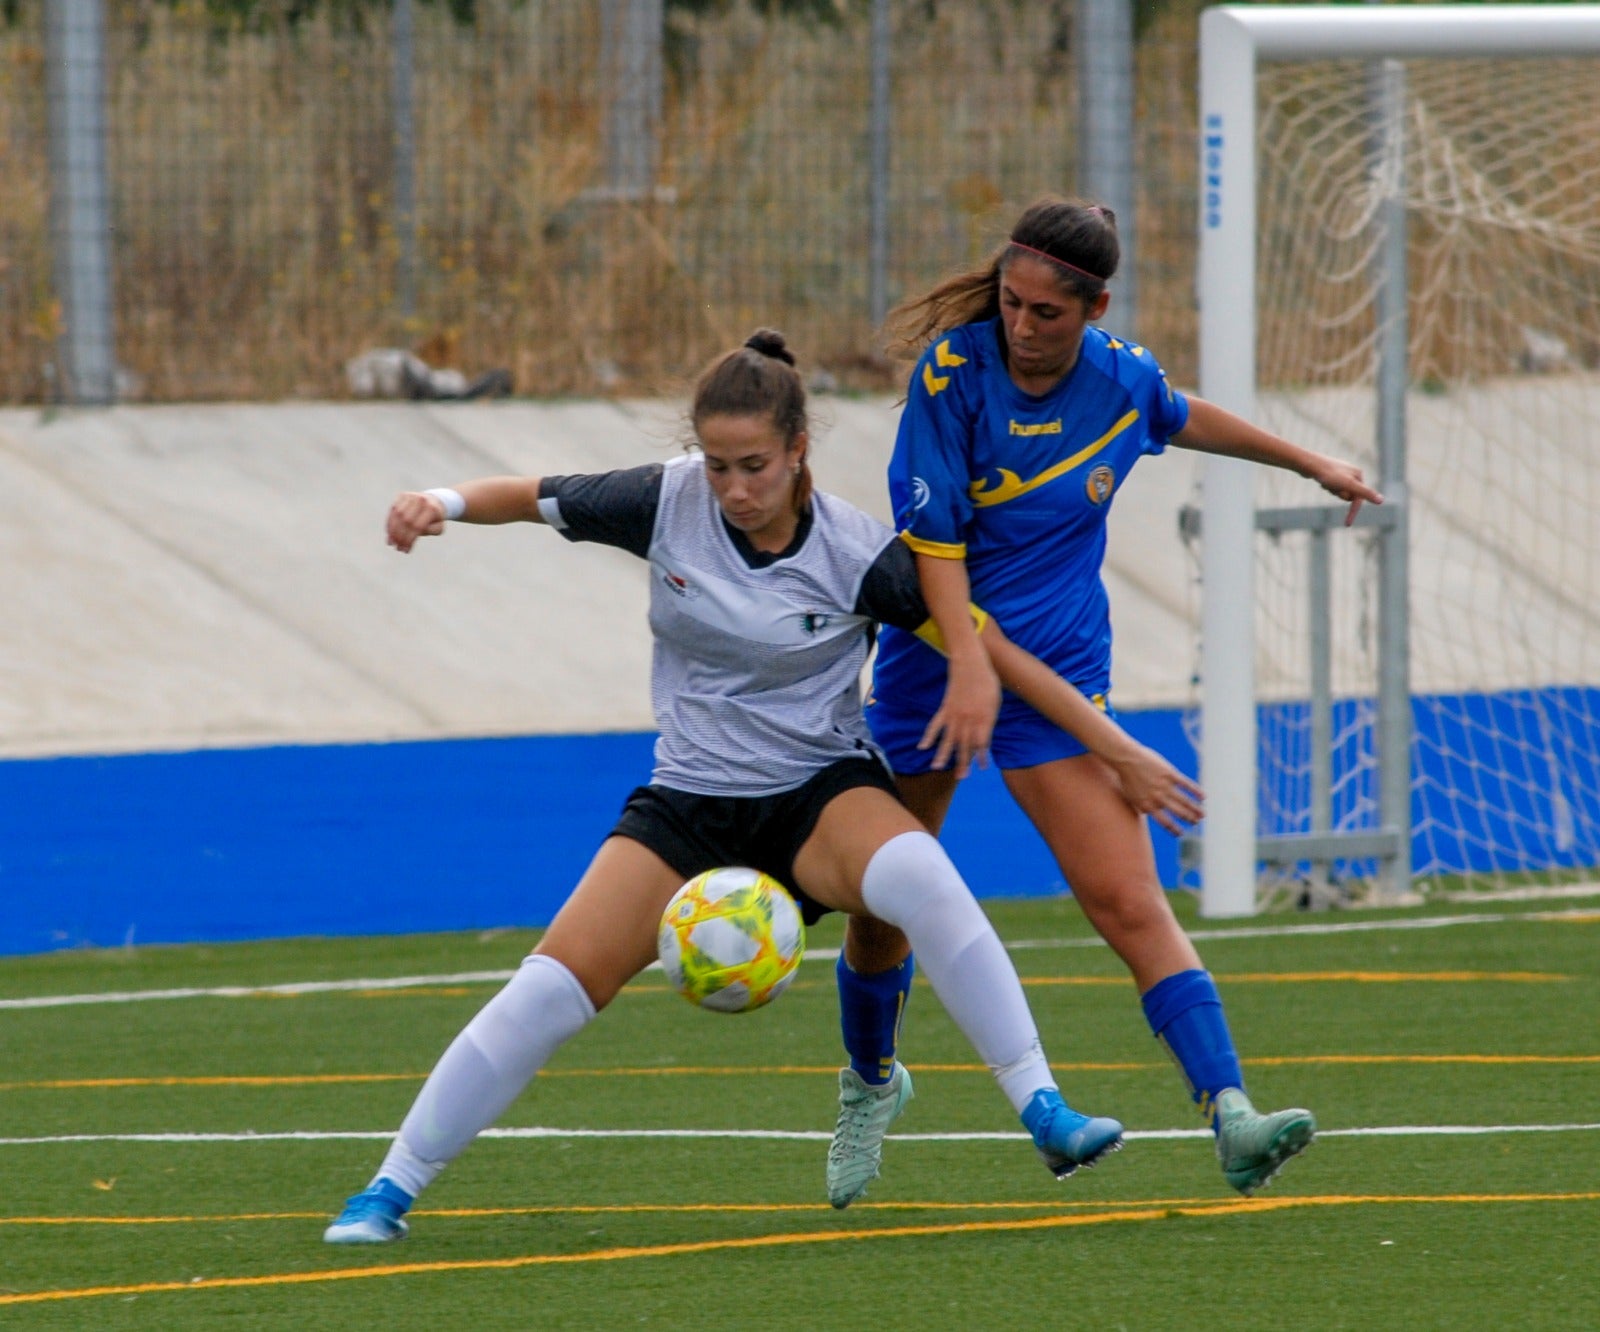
(1232, 40)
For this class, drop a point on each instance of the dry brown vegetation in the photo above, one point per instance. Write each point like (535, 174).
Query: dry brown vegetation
(252, 178)
(256, 247)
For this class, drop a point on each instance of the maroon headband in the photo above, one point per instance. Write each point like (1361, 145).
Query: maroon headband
(1055, 260)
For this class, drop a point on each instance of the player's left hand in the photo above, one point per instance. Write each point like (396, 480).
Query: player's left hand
(1153, 786)
(1344, 480)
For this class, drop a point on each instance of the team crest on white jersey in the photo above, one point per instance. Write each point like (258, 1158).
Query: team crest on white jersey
(678, 585)
(814, 623)
(1101, 482)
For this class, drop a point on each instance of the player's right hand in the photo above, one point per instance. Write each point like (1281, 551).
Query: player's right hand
(962, 726)
(414, 515)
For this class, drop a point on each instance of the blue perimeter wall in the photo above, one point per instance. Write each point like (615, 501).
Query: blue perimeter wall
(420, 836)
(414, 836)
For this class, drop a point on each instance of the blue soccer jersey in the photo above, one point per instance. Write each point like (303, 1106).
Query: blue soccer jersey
(1021, 487)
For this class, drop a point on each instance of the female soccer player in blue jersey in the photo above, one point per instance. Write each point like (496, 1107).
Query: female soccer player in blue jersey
(763, 600)
(1021, 422)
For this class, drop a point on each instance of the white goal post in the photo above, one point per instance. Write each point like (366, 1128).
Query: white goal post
(1234, 42)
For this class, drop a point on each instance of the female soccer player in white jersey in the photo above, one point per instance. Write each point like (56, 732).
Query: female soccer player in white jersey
(763, 599)
(1021, 422)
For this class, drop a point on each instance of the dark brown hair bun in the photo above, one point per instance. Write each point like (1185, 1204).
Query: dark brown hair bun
(770, 342)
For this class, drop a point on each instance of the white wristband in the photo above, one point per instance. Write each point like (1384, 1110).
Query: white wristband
(454, 504)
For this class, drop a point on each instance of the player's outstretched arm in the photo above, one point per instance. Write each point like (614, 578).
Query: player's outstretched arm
(1213, 429)
(1149, 782)
(493, 499)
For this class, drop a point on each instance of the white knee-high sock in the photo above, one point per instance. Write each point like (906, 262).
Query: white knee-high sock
(486, 1068)
(911, 883)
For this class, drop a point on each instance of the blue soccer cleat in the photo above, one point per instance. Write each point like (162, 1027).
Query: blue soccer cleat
(1065, 1139)
(376, 1215)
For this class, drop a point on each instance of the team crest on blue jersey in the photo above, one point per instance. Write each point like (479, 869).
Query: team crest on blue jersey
(1100, 483)
(920, 494)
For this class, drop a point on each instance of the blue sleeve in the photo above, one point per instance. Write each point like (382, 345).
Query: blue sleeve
(931, 466)
(1166, 411)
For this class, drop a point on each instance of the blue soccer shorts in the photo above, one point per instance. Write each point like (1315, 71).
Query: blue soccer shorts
(1022, 738)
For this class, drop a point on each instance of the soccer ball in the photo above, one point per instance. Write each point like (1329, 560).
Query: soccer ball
(730, 939)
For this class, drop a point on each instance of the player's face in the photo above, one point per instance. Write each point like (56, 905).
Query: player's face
(1044, 322)
(752, 470)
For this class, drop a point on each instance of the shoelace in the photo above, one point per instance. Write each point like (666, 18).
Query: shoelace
(855, 1118)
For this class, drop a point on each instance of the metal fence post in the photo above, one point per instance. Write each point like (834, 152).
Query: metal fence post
(80, 198)
(880, 116)
(631, 34)
(1104, 42)
(402, 91)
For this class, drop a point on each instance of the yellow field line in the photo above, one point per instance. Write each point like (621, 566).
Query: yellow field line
(422, 991)
(1458, 977)
(1112, 1216)
(1387, 977)
(1358, 977)
(216, 1080)
(1275, 1061)
(611, 1209)
(753, 1070)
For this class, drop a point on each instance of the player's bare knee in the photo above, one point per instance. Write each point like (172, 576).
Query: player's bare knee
(1129, 912)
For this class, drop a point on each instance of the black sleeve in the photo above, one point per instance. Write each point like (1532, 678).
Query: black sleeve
(613, 508)
(890, 593)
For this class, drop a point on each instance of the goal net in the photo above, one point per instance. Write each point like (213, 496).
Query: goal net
(1491, 166)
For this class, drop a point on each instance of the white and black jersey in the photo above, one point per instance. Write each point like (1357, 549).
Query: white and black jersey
(755, 678)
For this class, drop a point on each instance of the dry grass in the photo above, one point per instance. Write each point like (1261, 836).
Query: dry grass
(253, 178)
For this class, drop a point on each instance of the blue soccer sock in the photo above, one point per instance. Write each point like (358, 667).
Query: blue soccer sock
(870, 1008)
(1185, 1012)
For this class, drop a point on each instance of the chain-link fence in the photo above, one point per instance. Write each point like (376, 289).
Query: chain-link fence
(513, 184)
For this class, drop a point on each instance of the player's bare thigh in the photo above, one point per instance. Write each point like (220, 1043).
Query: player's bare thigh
(1103, 848)
(853, 825)
(605, 933)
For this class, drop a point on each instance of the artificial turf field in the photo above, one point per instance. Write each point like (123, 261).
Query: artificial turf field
(170, 1162)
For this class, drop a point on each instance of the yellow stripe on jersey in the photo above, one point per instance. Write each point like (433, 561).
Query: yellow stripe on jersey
(947, 360)
(940, 550)
(1011, 485)
(929, 633)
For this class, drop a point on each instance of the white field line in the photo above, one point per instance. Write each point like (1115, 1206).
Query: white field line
(1530, 894)
(812, 955)
(1341, 927)
(768, 1135)
(255, 991)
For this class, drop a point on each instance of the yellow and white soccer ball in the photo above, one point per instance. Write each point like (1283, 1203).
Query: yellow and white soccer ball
(730, 939)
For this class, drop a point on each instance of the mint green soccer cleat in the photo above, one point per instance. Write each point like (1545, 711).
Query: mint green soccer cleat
(376, 1215)
(865, 1113)
(1253, 1147)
